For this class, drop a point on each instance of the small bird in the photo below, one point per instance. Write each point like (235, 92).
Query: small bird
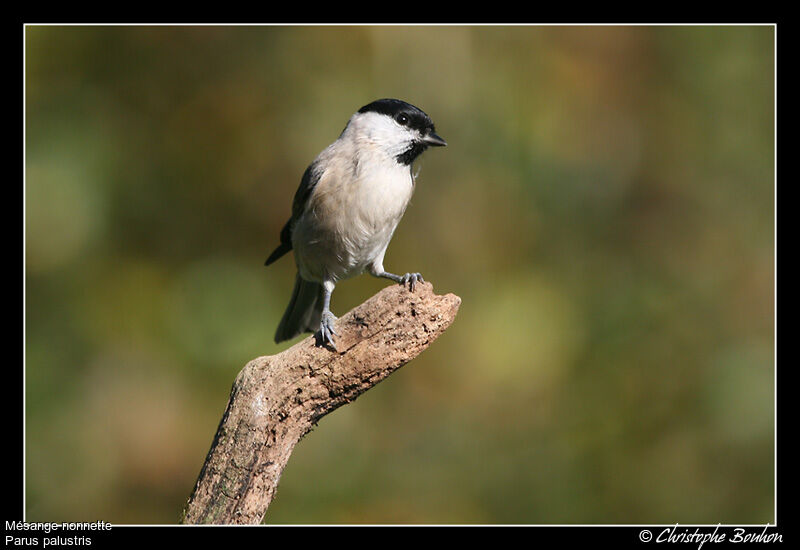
(348, 205)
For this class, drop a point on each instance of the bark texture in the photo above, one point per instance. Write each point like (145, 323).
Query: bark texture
(276, 400)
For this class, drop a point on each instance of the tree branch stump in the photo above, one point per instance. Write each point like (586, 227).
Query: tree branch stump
(276, 400)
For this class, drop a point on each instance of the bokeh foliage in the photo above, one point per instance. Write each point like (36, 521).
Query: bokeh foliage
(605, 209)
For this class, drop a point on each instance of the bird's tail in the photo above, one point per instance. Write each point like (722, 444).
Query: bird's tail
(304, 311)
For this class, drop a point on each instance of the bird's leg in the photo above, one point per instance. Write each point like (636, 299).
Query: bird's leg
(326, 330)
(410, 278)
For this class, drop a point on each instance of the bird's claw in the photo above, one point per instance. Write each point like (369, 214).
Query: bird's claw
(412, 279)
(326, 330)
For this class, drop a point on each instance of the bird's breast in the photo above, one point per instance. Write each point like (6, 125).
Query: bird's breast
(350, 219)
(380, 197)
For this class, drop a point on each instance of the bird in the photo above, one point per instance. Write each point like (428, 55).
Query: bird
(346, 209)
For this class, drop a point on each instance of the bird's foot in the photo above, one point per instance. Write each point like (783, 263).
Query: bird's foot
(412, 279)
(326, 331)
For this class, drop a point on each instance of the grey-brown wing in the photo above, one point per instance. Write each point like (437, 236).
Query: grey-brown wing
(309, 180)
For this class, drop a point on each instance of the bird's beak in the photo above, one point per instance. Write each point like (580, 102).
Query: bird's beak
(434, 140)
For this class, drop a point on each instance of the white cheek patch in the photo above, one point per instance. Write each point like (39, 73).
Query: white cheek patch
(382, 132)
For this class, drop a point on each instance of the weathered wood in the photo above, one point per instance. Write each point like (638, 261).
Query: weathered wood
(276, 400)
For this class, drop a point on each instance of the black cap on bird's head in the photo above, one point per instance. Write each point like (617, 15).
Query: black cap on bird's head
(412, 117)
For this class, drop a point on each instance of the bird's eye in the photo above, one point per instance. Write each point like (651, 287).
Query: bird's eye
(402, 119)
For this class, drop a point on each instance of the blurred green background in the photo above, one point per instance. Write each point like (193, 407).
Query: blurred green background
(605, 209)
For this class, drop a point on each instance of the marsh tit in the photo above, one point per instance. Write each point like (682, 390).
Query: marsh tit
(349, 202)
